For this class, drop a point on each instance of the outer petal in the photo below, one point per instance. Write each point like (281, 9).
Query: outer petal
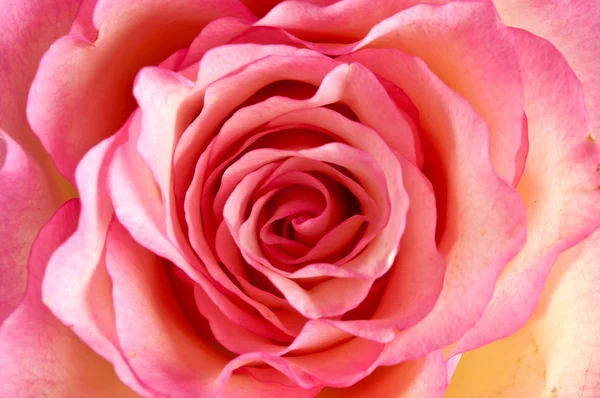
(25, 203)
(573, 26)
(39, 356)
(94, 80)
(347, 20)
(424, 377)
(83, 297)
(462, 42)
(162, 348)
(27, 28)
(557, 353)
(560, 187)
(483, 230)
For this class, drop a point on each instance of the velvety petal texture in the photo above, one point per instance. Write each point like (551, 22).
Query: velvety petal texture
(27, 203)
(559, 187)
(78, 73)
(456, 244)
(27, 29)
(424, 377)
(572, 26)
(40, 356)
(556, 353)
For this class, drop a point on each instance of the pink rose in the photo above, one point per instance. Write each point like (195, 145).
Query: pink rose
(300, 198)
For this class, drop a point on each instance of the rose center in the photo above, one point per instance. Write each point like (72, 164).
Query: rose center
(309, 220)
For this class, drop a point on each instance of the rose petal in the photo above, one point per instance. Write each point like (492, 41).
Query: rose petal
(79, 77)
(347, 21)
(559, 186)
(368, 146)
(138, 204)
(28, 28)
(483, 230)
(341, 366)
(572, 26)
(39, 356)
(214, 35)
(224, 95)
(166, 105)
(139, 207)
(369, 174)
(229, 254)
(410, 291)
(556, 353)
(260, 7)
(376, 211)
(26, 202)
(450, 38)
(316, 335)
(76, 287)
(161, 347)
(244, 385)
(424, 377)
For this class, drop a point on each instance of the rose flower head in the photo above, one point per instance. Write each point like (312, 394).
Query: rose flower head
(303, 198)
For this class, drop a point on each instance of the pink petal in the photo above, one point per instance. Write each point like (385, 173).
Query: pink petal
(223, 60)
(223, 96)
(338, 21)
(316, 335)
(138, 203)
(340, 366)
(161, 347)
(94, 80)
(76, 287)
(460, 32)
(26, 202)
(424, 377)
(350, 86)
(244, 386)
(415, 281)
(139, 207)
(192, 208)
(260, 7)
(315, 370)
(28, 28)
(366, 141)
(417, 276)
(322, 210)
(375, 213)
(369, 175)
(555, 354)
(236, 334)
(450, 38)
(167, 103)
(219, 32)
(483, 230)
(573, 27)
(40, 356)
(229, 255)
(559, 186)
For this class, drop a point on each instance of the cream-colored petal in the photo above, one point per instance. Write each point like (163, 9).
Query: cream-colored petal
(557, 353)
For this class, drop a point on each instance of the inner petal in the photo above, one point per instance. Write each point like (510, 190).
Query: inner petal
(323, 204)
(305, 200)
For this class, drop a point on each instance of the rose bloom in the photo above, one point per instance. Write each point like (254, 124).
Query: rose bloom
(305, 198)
